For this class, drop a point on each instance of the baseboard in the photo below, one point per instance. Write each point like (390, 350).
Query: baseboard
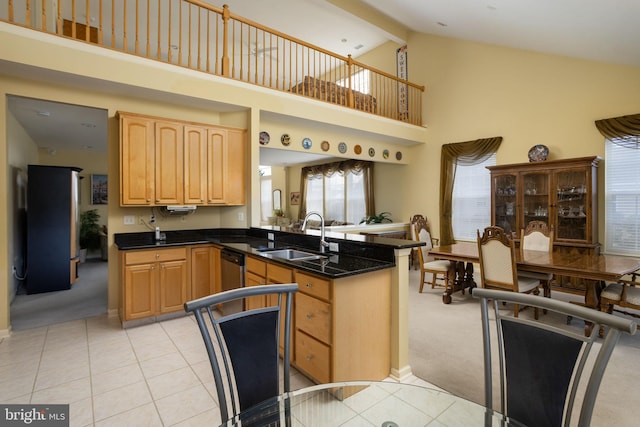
(113, 312)
(401, 374)
(5, 333)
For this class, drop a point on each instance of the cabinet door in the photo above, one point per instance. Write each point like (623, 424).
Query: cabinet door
(236, 169)
(169, 163)
(202, 272)
(173, 285)
(137, 161)
(536, 205)
(504, 202)
(195, 165)
(572, 205)
(251, 303)
(140, 299)
(216, 165)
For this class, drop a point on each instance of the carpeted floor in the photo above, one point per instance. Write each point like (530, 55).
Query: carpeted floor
(86, 298)
(445, 349)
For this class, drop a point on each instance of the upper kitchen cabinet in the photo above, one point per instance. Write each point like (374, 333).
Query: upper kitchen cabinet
(169, 162)
(562, 193)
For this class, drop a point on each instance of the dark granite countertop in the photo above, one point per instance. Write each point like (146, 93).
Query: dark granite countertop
(355, 256)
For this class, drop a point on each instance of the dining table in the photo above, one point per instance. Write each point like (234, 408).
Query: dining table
(594, 269)
(378, 403)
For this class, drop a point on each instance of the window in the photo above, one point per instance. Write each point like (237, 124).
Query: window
(359, 81)
(471, 203)
(266, 201)
(622, 199)
(338, 190)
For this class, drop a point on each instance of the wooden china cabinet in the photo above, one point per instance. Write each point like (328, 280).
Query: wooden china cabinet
(562, 193)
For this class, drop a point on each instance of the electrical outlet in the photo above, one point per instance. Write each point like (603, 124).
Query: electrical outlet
(13, 269)
(152, 219)
(333, 247)
(140, 220)
(183, 218)
(129, 220)
(270, 236)
(240, 216)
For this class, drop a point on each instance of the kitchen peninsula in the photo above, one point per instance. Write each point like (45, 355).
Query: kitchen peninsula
(346, 321)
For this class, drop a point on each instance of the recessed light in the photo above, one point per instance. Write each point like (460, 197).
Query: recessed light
(442, 24)
(343, 40)
(360, 46)
(43, 113)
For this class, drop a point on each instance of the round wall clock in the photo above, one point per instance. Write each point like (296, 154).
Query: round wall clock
(264, 138)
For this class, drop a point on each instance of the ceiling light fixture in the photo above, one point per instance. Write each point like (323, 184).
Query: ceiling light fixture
(360, 46)
(442, 24)
(43, 113)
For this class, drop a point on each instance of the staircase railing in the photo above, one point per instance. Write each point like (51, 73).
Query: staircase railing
(198, 36)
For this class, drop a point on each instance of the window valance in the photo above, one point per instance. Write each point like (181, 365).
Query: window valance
(624, 130)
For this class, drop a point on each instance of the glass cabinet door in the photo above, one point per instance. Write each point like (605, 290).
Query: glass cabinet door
(535, 197)
(504, 206)
(571, 202)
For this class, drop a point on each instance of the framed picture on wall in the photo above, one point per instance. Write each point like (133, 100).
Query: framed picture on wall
(295, 198)
(99, 190)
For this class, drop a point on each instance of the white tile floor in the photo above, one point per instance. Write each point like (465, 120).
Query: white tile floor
(152, 375)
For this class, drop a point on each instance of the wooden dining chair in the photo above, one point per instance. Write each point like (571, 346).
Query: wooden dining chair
(625, 293)
(496, 253)
(537, 237)
(436, 269)
(542, 367)
(244, 355)
(421, 222)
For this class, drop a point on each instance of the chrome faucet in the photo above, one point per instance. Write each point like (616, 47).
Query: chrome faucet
(323, 244)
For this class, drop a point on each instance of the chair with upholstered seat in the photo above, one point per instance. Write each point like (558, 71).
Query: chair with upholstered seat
(437, 269)
(537, 237)
(624, 293)
(419, 222)
(543, 367)
(244, 356)
(496, 253)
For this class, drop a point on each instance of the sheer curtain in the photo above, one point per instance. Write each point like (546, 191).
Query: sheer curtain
(463, 153)
(340, 190)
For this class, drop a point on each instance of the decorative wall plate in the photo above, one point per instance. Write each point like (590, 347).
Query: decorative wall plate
(325, 145)
(285, 139)
(398, 155)
(264, 138)
(538, 153)
(306, 143)
(372, 152)
(357, 149)
(342, 147)
(385, 154)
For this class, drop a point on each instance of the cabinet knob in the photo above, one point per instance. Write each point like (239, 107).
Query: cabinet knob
(309, 285)
(309, 357)
(157, 256)
(309, 316)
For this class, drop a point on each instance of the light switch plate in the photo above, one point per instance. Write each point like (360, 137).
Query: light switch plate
(129, 220)
(333, 247)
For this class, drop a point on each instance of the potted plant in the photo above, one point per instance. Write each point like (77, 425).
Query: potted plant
(89, 232)
(377, 219)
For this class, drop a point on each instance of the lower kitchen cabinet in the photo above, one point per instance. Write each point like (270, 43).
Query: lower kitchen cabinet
(154, 282)
(205, 271)
(343, 327)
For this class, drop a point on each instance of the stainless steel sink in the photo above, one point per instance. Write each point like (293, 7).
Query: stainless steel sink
(291, 255)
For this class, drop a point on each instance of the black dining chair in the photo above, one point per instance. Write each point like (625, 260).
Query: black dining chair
(244, 354)
(543, 367)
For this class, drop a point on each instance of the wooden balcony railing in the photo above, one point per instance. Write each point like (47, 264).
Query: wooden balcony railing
(195, 35)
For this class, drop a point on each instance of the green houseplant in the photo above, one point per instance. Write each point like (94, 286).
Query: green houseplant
(89, 230)
(377, 219)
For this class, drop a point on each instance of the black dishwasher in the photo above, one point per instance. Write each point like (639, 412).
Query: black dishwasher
(232, 276)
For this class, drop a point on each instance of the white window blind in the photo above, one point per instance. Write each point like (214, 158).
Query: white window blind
(622, 200)
(471, 203)
(339, 197)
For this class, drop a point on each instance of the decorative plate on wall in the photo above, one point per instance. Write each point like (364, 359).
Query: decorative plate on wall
(357, 149)
(538, 153)
(398, 155)
(306, 143)
(325, 145)
(264, 138)
(385, 154)
(342, 147)
(372, 152)
(285, 139)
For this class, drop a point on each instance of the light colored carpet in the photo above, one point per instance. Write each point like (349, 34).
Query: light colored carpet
(87, 298)
(445, 349)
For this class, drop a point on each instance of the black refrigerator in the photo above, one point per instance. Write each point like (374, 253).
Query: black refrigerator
(52, 228)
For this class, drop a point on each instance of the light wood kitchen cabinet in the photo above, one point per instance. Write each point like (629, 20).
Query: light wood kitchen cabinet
(255, 275)
(205, 271)
(342, 327)
(171, 162)
(154, 282)
(137, 160)
(562, 193)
